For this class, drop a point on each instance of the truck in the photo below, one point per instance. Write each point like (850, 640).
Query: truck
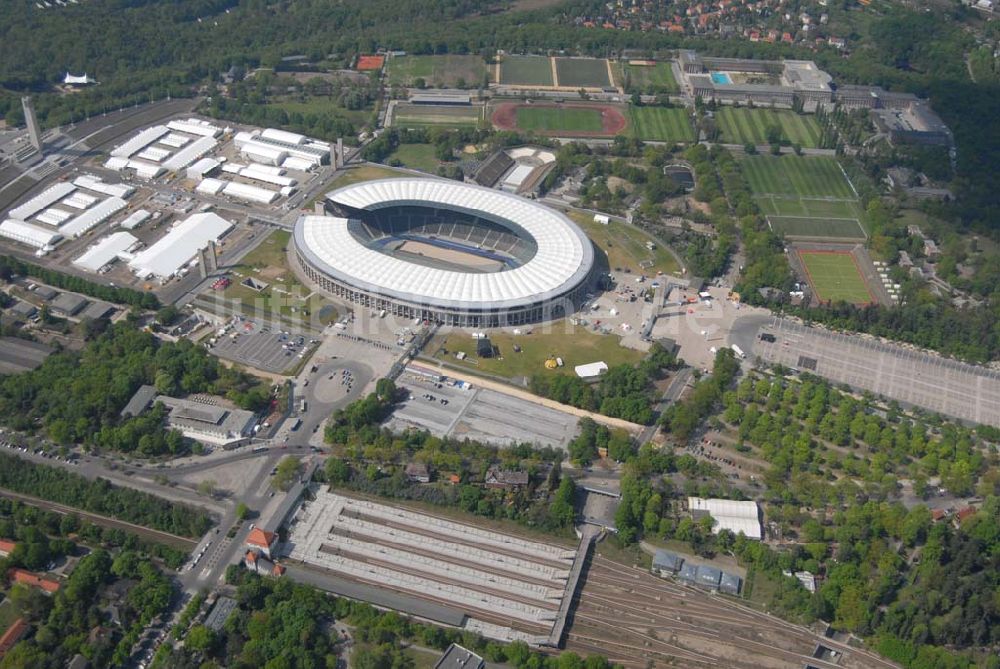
(738, 351)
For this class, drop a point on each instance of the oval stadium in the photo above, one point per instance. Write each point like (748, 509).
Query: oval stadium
(446, 252)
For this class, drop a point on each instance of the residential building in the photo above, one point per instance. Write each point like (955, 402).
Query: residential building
(507, 479)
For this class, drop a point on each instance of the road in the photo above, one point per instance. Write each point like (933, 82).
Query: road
(670, 395)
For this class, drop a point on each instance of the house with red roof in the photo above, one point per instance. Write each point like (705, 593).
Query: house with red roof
(259, 564)
(26, 577)
(261, 540)
(964, 514)
(7, 547)
(13, 634)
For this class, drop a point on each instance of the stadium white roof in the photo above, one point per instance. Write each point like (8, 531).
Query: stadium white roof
(139, 141)
(29, 234)
(190, 153)
(518, 175)
(98, 185)
(47, 197)
(563, 259)
(104, 251)
(591, 369)
(194, 126)
(729, 514)
(167, 256)
(135, 219)
(93, 216)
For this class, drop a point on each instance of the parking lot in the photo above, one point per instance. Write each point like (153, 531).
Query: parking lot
(914, 378)
(250, 343)
(447, 409)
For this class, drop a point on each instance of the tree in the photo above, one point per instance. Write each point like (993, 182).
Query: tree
(200, 638)
(207, 487)
(168, 315)
(242, 511)
(287, 472)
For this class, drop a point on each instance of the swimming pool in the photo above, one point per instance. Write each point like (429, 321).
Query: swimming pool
(721, 78)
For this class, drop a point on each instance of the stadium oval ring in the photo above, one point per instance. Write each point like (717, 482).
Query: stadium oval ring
(549, 284)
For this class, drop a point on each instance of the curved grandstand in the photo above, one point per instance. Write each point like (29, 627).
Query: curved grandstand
(446, 252)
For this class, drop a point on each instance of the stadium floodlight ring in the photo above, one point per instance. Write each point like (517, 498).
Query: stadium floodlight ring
(545, 286)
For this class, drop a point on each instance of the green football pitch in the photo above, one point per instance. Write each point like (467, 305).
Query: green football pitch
(835, 277)
(801, 176)
(526, 71)
(661, 124)
(657, 78)
(740, 125)
(552, 119)
(583, 72)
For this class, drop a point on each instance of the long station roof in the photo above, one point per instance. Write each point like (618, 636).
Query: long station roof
(563, 259)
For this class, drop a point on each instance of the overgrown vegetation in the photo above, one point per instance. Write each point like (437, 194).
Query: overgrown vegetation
(76, 397)
(99, 496)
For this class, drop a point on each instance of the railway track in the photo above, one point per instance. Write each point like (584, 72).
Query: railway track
(628, 611)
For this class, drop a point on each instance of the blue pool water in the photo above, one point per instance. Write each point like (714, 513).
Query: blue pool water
(721, 78)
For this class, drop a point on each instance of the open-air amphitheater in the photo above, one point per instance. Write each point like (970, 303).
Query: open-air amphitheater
(513, 587)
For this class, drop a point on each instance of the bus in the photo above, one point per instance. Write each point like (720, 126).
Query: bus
(297, 424)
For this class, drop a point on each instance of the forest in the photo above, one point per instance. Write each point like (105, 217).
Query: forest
(65, 621)
(10, 267)
(141, 50)
(99, 496)
(624, 391)
(76, 397)
(371, 459)
(832, 491)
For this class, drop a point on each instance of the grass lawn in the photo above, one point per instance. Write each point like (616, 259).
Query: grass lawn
(802, 176)
(446, 71)
(318, 105)
(414, 116)
(583, 72)
(625, 246)
(835, 277)
(740, 125)
(660, 124)
(552, 119)
(657, 78)
(364, 173)
(526, 71)
(417, 157)
(269, 263)
(575, 344)
(831, 228)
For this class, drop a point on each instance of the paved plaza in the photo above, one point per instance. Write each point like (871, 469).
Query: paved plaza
(911, 377)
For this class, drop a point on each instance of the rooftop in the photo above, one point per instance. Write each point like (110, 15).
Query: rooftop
(457, 657)
(563, 259)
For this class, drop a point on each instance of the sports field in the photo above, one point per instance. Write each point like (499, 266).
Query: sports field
(801, 176)
(658, 78)
(445, 71)
(559, 119)
(421, 116)
(819, 228)
(661, 124)
(805, 196)
(583, 72)
(740, 125)
(526, 71)
(835, 277)
(417, 157)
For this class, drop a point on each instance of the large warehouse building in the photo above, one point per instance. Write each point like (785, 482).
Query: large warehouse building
(446, 252)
